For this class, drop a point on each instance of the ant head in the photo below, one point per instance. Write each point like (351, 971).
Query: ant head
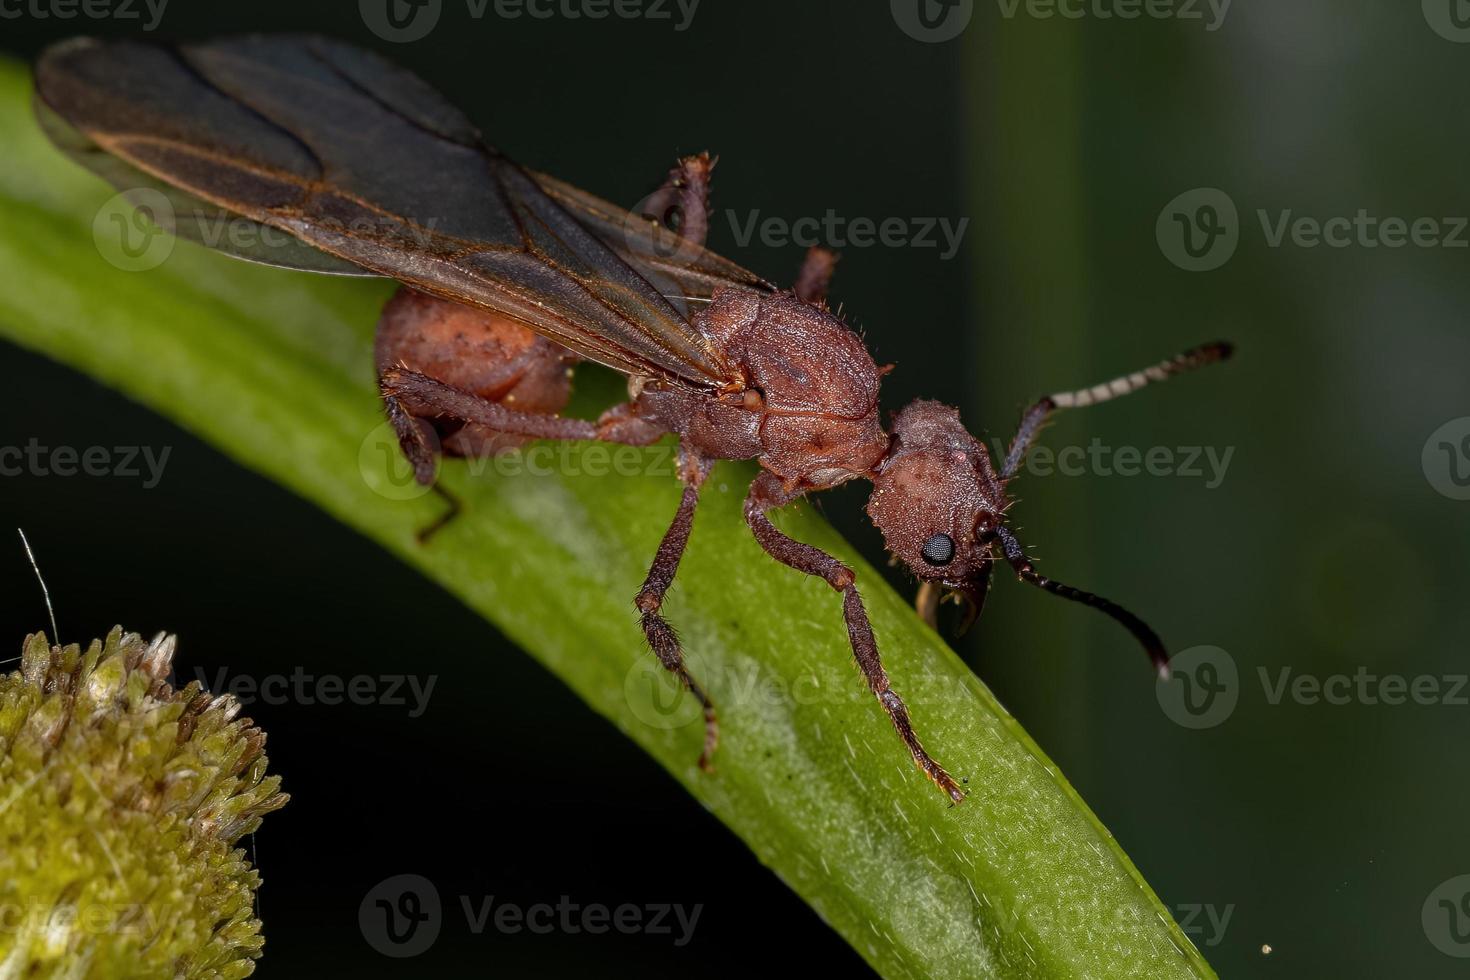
(936, 498)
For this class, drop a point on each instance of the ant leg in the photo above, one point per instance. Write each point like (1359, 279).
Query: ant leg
(1036, 416)
(452, 509)
(767, 494)
(476, 351)
(625, 424)
(660, 635)
(415, 436)
(420, 447)
(815, 275)
(681, 204)
(422, 395)
(401, 387)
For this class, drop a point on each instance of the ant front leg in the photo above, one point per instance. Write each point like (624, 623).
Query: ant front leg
(766, 494)
(661, 637)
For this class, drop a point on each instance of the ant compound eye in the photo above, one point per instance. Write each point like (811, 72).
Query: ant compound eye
(938, 550)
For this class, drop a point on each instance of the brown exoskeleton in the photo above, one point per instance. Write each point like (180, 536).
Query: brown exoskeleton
(510, 277)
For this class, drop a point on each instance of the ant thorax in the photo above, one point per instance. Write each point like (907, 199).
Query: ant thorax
(809, 407)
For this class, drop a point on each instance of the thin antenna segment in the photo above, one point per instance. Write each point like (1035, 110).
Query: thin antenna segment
(45, 593)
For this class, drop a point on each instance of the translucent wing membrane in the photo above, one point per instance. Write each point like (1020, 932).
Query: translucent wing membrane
(192, 217)
(684, 272)
(370, 170)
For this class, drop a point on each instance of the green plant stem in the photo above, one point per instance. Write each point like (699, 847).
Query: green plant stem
(274, 368)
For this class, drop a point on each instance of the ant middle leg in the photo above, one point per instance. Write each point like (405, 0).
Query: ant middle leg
(766, 494)
(661, 637)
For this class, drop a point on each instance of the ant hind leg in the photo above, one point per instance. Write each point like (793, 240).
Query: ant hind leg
(420, 446)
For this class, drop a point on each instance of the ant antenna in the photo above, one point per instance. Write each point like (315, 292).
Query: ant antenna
(1152, 645)
(45, 593)
(1037, 415)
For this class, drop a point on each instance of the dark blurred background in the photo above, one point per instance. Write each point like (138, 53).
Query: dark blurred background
(1129, 186)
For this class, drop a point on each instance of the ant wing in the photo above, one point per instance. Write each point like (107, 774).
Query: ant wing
(683, 271)
(363, 161)
(181, 213)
